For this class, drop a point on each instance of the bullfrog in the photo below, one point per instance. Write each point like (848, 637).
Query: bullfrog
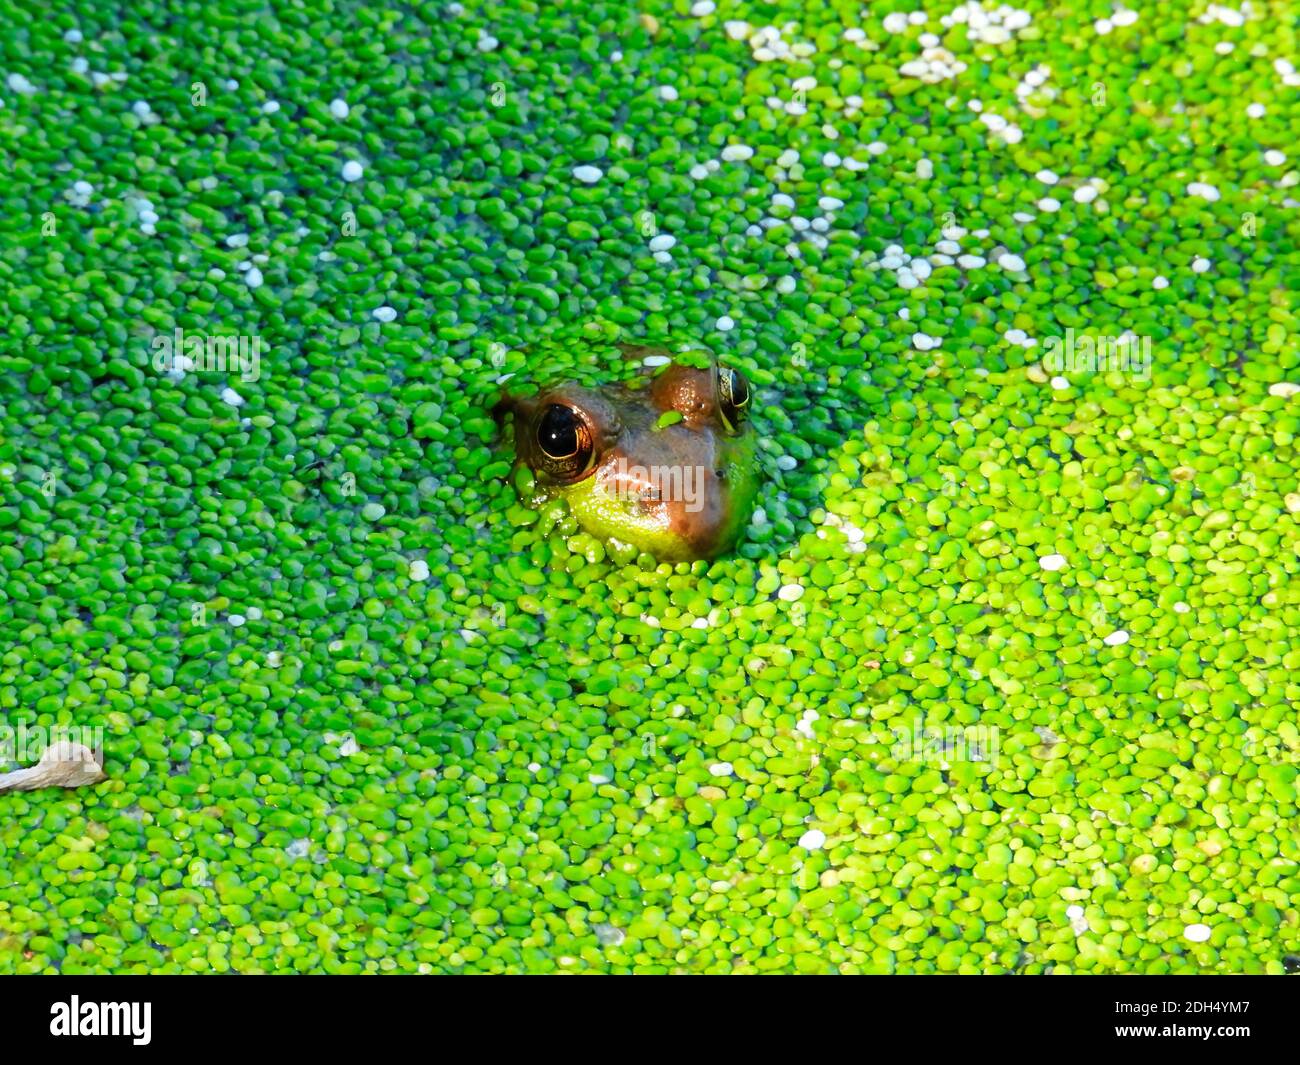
(666, 463)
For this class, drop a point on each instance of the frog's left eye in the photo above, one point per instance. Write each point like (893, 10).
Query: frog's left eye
(733, 397)
(564, 440)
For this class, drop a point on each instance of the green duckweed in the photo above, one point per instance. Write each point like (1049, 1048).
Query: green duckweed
(1001, 678)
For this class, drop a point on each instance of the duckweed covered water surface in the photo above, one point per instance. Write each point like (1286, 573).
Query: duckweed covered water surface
(365, 710)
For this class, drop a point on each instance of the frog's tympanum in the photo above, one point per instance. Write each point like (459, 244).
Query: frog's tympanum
(666, 464)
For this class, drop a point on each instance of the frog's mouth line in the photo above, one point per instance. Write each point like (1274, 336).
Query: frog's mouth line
(667, 483)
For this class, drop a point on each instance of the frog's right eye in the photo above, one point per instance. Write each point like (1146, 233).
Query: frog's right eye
(564, 440)
(733, 397)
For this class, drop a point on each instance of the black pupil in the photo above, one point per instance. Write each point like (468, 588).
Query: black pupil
(739, 390)
(558, 432)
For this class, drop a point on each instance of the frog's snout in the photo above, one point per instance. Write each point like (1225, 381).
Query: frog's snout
(698, 493)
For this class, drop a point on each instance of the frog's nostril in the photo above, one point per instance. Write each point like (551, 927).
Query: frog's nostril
(721, 475)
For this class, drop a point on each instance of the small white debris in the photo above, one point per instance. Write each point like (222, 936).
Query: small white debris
(1274, 158)
(19, 84)
(656, 360)
(667, 92)
(1283, 389)
(352, 170)
(253, 278)
(1012, 263)
(141, 109)
(486, 43)
(73, 37)
(1116, 639)
(790, 593)
(1256, 111)
(662, 242)
(1049, 205)
(737, 153)
(925, 342)
(786, 462)
(785, 285)
(1060, 384)
(738, 30)
(725, 324)
(588, 175)
(231, 397)
(607, 935)
(813, 840)
(701, 8)
(1181, 608)
(1052, 563)
(237, 240)
(720, 769)
(419, 570)
(1197, 933)
(534, 767)
(1227, 15)
(1159, 282)
(384, 313)
(1199, 266)
(237, 620)
(1203, 190)
(895, 22)
(1085, 194)
(271, 107)
(339, 109)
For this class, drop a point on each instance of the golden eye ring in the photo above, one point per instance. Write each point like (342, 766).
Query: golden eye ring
(733, 397)
(564, 441)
